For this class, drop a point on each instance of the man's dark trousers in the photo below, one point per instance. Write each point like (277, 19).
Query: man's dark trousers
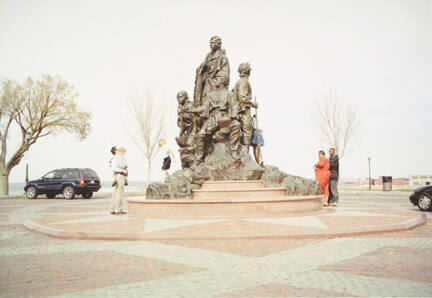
(334, 169)
(334, 194)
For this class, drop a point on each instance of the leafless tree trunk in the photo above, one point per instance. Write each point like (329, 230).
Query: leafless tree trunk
(150, 119)
(337, 124)
(38, 108)
(149, 167)
(8, 112)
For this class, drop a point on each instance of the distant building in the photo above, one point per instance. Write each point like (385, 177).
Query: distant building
(420, 179)
(379, 181)
(400, 181)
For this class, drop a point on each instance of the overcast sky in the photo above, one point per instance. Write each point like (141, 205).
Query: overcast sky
(376, 54)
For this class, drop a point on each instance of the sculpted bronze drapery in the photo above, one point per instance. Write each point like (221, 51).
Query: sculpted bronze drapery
(214, 71)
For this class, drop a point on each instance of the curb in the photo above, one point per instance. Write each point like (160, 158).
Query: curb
(77, 235)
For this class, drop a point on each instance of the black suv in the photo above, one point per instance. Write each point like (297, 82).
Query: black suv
(70, 182)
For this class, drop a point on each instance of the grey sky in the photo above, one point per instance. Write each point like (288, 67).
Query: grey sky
(376, 54)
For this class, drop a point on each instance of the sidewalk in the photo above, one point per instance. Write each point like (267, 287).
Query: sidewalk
(382, 264)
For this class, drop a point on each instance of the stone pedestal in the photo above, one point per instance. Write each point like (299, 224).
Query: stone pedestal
(237, 190)
(228, 199)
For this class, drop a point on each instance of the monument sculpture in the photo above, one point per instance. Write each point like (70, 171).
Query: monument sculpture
(187, 122)
(215, 134)
(213, 73)
(243, 94)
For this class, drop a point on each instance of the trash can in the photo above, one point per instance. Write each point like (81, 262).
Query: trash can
(387, 183)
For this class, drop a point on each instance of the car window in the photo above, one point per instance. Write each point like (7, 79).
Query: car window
(59, 175)
(50, 175)
(89, 174)
(71, 174)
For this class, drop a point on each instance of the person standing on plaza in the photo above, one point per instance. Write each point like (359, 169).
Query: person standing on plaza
(334, 169)
(322, 171)
(120, 171)
(167, 154)
(121, 159)
(257, 140)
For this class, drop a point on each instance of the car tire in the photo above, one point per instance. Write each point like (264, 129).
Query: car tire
(31, 192)
(87, 195)
(425, 202)
(68, 192)
(50, 196)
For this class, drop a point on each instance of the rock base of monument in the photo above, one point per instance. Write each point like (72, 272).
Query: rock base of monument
(228, 199)
(220, 165)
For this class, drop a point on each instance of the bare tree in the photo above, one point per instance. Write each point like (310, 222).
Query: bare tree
(337, 123)
(150, 119)
(38, 109)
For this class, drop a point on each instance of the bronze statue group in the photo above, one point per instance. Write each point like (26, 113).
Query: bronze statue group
(217, 115)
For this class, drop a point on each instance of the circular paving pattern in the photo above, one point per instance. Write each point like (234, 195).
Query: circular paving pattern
(91, 220)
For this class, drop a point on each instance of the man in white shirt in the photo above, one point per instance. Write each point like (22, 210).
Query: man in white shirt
(118, 165)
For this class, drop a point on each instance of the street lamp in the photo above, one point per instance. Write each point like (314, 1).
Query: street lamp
(370, 180)
(27, 137)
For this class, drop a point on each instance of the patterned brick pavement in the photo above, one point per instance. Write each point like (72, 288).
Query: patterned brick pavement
(88, 221)
(388, 264)
(387, 261)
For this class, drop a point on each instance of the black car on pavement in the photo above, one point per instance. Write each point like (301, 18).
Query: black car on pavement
(422, 197)
(69, 182)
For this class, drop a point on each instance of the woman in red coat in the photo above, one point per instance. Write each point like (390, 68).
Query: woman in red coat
(322, 170)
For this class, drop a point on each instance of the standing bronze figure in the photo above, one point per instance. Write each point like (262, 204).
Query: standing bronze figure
(213, 71)
(243, 94)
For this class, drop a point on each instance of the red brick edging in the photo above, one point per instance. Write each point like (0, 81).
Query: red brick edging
(170, 235)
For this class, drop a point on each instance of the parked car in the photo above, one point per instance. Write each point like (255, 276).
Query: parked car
(69, 182)
(422, 197)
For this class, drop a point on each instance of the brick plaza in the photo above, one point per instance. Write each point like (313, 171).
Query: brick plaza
(371, 264)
